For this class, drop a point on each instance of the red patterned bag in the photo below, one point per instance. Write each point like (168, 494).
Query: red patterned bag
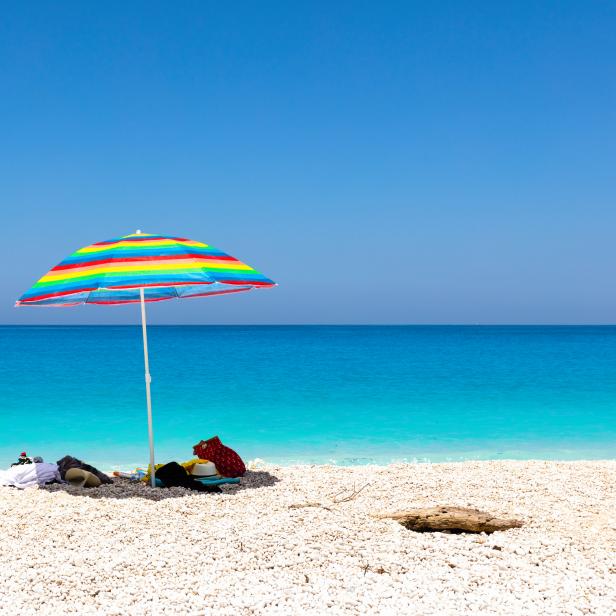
(227, 462)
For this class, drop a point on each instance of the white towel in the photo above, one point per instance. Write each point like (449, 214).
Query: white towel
(30, 475)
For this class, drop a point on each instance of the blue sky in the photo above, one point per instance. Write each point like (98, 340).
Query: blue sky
(390, 162)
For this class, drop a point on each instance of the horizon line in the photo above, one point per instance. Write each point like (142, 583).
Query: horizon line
(309, 324)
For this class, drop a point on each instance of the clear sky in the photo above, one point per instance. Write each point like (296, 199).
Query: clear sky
(385, 162)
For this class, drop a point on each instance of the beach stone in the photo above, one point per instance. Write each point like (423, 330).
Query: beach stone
(127, 549)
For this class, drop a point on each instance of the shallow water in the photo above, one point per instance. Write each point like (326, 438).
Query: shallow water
(343, 394)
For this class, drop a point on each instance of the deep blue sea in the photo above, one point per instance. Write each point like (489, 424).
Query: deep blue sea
(341, 394)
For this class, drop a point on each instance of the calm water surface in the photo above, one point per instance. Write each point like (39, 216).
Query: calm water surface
(348, 395)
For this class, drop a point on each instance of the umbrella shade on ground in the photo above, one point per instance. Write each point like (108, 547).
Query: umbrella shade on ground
(140, 268)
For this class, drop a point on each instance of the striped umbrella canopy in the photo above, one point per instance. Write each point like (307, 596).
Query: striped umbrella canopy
(164, 266)
(142, 267)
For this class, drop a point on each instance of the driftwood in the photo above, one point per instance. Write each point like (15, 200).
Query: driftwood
(450, 520)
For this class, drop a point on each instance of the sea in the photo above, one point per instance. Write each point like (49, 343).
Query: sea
(344, 395)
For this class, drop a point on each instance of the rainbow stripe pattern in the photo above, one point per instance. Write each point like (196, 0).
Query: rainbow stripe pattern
(165, 267)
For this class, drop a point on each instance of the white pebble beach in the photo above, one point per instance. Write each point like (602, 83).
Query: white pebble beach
(281, 544)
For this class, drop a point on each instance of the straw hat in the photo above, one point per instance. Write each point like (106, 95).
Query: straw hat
(206, 469)
(82, 479)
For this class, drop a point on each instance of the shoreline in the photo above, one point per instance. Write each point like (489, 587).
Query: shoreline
(358, 462)
(259, 463)
(265, 547)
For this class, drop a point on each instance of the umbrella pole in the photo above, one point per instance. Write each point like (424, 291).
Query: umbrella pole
(148, 380)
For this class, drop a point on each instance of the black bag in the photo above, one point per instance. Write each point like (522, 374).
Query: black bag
(173, 475)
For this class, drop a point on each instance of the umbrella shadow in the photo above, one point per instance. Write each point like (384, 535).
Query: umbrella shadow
(253, 480)
(122, 489)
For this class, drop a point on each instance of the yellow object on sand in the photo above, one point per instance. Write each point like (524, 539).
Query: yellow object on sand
(188, 465)
(146, 477)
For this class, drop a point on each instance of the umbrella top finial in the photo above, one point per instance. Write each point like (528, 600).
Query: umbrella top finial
(138, 232)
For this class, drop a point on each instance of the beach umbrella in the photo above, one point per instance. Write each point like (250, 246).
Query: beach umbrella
(141, 268)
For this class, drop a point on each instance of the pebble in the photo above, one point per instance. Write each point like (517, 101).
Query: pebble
(260, 549)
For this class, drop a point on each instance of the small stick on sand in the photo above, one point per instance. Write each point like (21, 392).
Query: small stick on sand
(302, 505)
(350, 497)
(335, 501)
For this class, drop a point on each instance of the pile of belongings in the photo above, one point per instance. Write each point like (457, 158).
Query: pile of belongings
(215, 465)
(30, 472)
(80, 474)
(227, 462)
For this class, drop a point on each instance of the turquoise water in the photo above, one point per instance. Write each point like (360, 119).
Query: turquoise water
(347, 395)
